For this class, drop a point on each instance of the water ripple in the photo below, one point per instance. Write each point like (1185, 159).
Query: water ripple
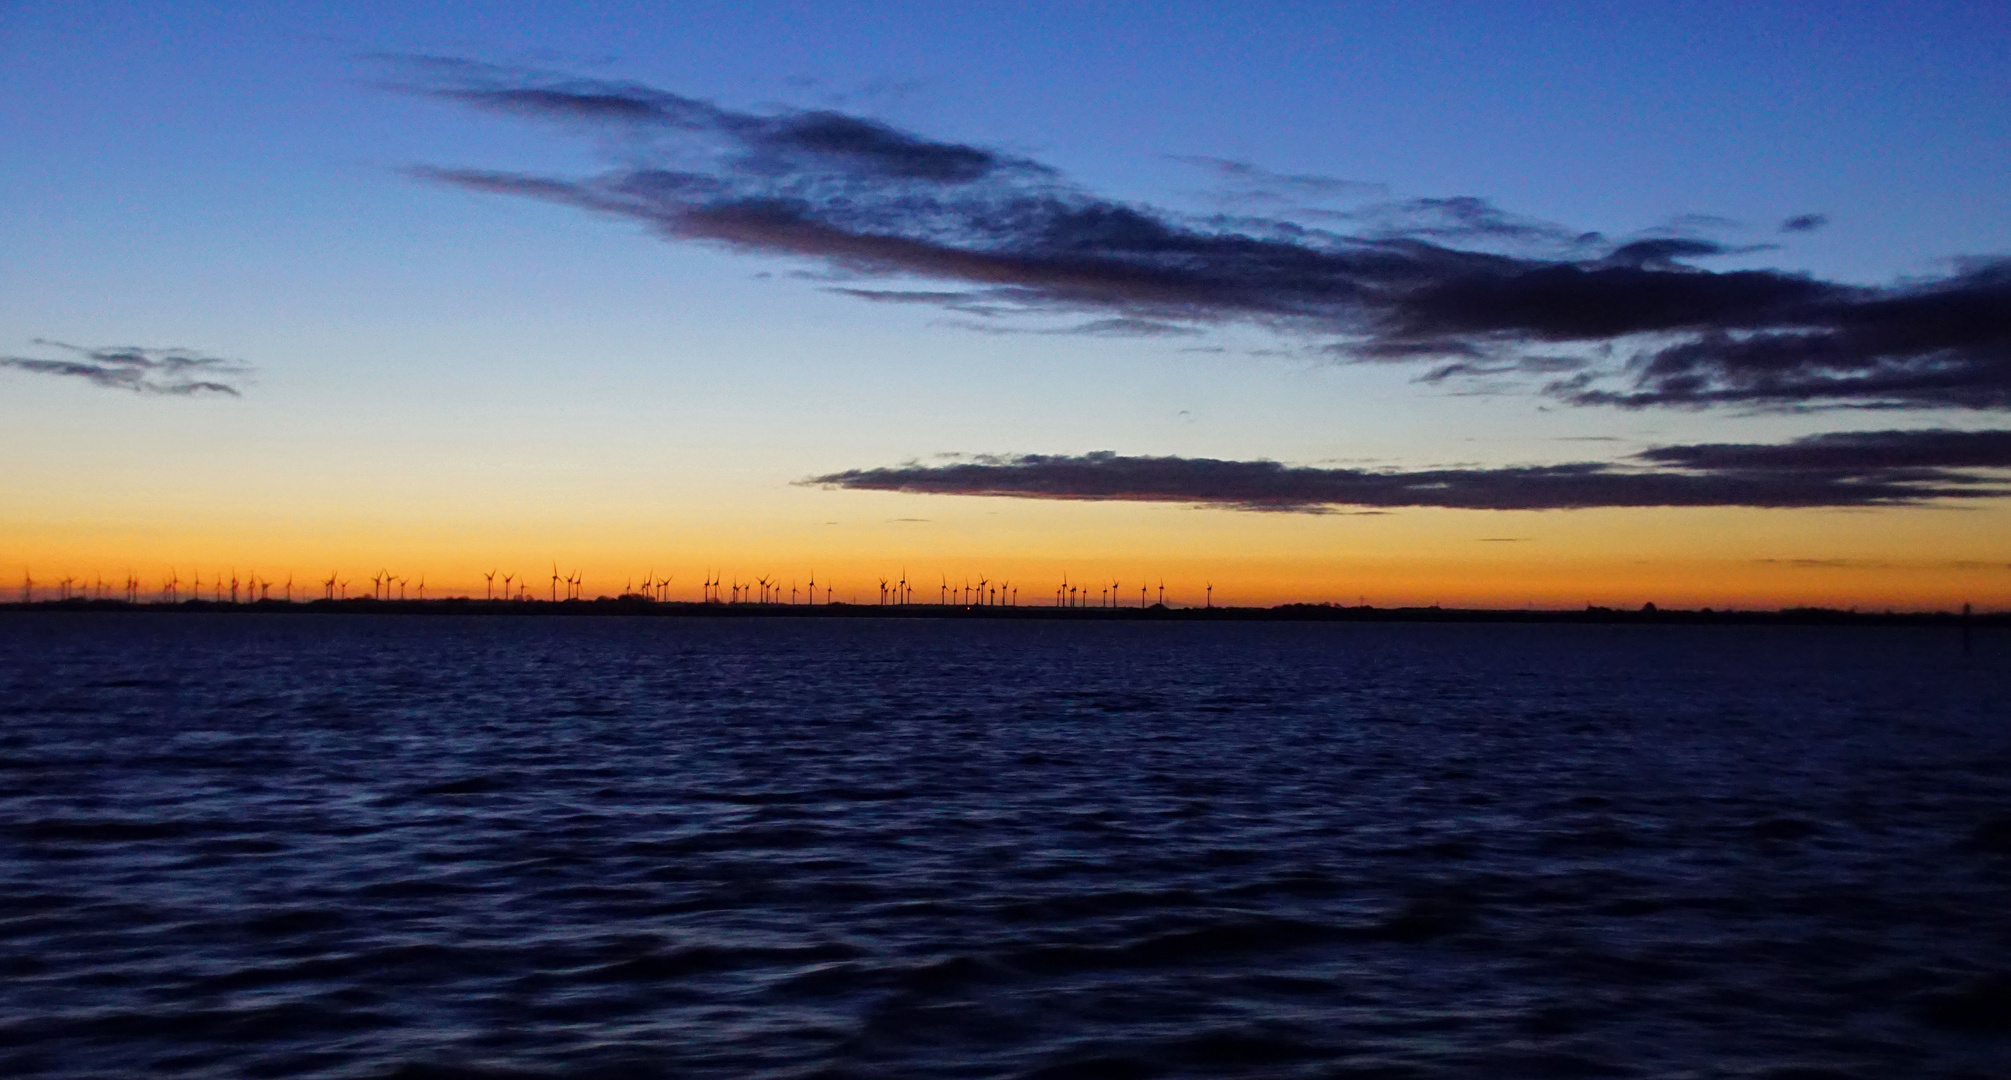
(486, 848)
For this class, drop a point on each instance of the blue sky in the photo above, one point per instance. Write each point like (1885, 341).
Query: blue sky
(234, 181)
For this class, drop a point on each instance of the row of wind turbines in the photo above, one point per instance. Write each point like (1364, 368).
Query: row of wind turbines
(900, 592)
(714, 589)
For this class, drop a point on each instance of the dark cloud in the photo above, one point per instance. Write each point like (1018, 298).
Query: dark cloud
(1804, 223)
(172, 372)
(1940, 343)
(1888, 468)
(1848, 452)
(1431, 281)
(779, 147)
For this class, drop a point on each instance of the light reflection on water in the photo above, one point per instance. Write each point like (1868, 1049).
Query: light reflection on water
(342, 846)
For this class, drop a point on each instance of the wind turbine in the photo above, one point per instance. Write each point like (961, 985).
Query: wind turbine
(1211, 595)
(555, 584)
(943, 592)
(507, 578)
(883, 592)
(813, 588)
(1162, 591)
(422, 586)
(488, 585)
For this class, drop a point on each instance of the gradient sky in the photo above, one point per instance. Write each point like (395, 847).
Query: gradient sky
(445, 378)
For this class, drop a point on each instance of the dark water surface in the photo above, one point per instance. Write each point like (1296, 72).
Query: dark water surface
(352, 846)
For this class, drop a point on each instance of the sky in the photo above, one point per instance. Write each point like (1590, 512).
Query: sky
(1472, 304)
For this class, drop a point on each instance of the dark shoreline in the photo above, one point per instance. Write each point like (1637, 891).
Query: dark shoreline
(638, 606)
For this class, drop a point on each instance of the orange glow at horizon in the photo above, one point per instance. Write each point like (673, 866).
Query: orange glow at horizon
(1924, 559)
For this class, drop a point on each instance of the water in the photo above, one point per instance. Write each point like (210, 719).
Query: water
(430, 847)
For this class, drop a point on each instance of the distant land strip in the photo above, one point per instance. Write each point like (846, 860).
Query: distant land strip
(642, 606)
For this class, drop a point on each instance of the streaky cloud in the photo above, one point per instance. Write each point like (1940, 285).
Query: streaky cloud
(1431, 281)
(1858, 469)
(1861, 452)
(1115, 327)
(1243, 184)
(171, 372)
